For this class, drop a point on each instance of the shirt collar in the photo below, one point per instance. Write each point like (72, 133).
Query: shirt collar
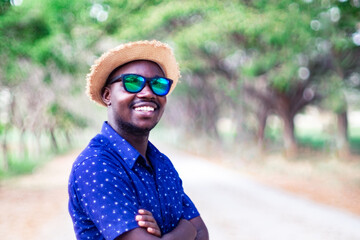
(153, 155)
(127, 152)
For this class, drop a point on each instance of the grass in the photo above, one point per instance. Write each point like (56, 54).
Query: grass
(355, 144)
(310, 139)
(31, 159)
(355, 140)
(19, 166)
(317, 173)
(321, 141)
(315, 139)
(27, 162)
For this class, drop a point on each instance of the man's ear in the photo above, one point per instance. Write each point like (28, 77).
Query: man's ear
(106, 96)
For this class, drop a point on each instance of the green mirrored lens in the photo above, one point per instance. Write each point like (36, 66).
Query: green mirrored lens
(133, 83)
(160, 86)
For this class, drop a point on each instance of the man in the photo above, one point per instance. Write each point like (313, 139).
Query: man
(121, 186)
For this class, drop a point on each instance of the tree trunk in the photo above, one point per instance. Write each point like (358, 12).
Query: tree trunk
(342, 142)
(22, 145)
(54, 143)
(287, 114)
(68, 138)
(38, 142)
(4, 146)
(262, 118)
(290, 144)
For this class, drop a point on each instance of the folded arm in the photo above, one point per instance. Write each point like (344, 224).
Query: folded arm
(185, 230)
(147, 221)
(201, 229)
(194, 229)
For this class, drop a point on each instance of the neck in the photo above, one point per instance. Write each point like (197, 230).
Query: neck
(139, 142)
(138, 138)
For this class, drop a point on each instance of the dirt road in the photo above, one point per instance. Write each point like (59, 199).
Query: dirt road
(233, 206)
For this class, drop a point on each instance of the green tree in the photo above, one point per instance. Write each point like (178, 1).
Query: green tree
(41, 59)
(280, 53)
(238, 58)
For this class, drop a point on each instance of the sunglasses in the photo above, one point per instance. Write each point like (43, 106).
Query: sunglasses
(134, 83)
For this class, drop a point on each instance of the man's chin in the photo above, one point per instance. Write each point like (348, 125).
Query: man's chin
(136, 130)
(141, 131)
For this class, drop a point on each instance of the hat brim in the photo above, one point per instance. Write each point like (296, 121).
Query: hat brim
(154, 51)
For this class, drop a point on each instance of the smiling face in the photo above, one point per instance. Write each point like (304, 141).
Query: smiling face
(134, 113)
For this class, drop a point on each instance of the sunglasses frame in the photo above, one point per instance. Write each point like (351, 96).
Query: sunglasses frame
(147, 80)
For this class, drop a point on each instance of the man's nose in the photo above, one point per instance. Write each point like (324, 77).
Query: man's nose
(146, 92)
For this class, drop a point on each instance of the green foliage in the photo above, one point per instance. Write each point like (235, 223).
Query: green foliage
(19, 166)
(4, 6)
(274, 134)
(321, 141)
(64, 118)
(261, 65)
(354, 140)
(333, 87)
(242, 41)
(355, 144)
(220, 45)
(282, 78)
(317, 142)
(40, 54)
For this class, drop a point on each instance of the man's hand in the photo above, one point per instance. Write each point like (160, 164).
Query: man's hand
(185, 230)
(146, 220)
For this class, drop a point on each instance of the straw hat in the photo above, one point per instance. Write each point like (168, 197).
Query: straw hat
(155, 51)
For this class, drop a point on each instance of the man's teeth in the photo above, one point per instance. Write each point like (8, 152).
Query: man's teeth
(145, 109)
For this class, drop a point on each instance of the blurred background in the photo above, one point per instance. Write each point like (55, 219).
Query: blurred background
(268, 87)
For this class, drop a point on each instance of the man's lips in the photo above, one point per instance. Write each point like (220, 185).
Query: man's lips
(145, 106)
(144, 109)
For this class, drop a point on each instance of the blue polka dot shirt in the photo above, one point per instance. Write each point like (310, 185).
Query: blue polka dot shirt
(110, 181)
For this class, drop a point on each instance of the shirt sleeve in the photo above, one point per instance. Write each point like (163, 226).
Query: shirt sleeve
(106, 194)
(189, 209)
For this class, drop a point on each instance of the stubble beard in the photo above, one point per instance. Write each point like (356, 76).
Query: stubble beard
(131, 129)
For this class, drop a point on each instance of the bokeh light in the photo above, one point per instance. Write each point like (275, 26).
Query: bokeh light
(16, 2)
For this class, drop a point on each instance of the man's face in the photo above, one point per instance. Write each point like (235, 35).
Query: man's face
(134, 113)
